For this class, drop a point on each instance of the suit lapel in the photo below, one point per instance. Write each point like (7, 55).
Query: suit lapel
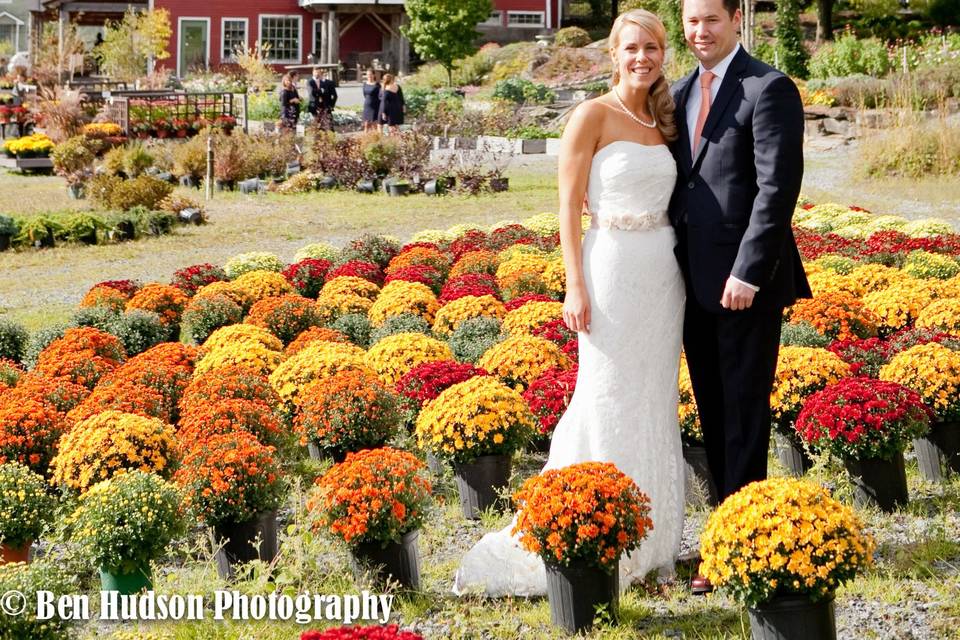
(731, 82)
(681, 119)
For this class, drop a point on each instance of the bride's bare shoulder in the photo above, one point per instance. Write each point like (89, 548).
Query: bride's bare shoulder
(590, 114)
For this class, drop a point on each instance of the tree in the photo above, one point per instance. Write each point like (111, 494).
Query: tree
(793, 56)
(824, 20)
(445, 30)
(130, 44)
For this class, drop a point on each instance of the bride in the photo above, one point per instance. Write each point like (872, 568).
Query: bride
(625, 296)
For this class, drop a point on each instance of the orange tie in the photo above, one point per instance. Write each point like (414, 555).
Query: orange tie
(705, 79)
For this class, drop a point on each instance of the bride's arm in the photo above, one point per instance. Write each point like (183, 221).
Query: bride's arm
(577, 147)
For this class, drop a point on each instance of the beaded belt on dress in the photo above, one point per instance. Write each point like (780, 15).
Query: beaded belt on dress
(630, 221)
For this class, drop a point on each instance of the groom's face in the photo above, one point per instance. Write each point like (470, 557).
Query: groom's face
(710, 30)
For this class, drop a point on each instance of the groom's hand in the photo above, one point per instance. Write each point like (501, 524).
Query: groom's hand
(736, 295)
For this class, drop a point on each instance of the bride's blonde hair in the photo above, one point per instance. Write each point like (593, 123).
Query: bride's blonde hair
(660, 101)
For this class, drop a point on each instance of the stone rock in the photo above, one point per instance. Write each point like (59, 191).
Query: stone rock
(832, 126)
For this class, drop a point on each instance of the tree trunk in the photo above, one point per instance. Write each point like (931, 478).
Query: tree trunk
(824, 20)
(449, 76)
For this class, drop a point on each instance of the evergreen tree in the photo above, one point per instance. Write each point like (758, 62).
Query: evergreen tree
(793, 56)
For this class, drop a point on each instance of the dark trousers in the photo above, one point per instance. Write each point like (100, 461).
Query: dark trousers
(732, 359)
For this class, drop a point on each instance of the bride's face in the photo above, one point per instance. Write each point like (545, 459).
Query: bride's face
(638, 57)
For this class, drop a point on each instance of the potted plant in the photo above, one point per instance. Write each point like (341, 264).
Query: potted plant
(73, 160)
(785, 569)
(548, 397)
(26, 508)
(348, 411)
(123, 226)
(83, 227)
(399, 187)
(375, 502)
(476, 425)
(933, 371)
(867, 424)
(8, 229)
(181, 127)
(234, 483)
(38, 231)
(109, 443)
(580, 519)
(126, 522)
(801, 371)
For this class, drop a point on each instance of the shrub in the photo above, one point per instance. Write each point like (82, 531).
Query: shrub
(139, 330)
(42, 575)
(107, 444)
(356, 326)
(373, 496)
(850, 55)
(191, 279)
(13, 340)
(252, 261)
(308, 276)
(203, 420)
(231, 478)
(285, 316)
(802, 334)
(590, 512)
(912, 151)
(348, 411)
(111, 192)
(520, 90)
(39, 340)
(753, 556)
(572, 37)
(402, 323)
(190, 158)
(475, 336)
(206, 314)
(26, 507)
(118, 543)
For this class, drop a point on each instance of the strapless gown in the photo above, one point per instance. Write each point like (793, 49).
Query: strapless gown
(624, 409)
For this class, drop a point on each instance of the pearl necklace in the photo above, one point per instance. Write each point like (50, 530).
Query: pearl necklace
(649, 125)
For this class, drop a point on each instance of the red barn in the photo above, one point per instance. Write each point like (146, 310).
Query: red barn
(205, 34)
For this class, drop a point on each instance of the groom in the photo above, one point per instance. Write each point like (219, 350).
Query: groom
(740, 163)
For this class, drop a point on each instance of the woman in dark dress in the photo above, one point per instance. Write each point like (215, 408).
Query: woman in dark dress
(391, 104)
(289, 103)
(371, 102)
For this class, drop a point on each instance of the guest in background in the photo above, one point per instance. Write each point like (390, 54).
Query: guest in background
(391, 104)
(289, 102)
(323, 98)
(371, 102)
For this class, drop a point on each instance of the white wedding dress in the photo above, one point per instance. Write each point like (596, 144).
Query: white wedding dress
(624, 409)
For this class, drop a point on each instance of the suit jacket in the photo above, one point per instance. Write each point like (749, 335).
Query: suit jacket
(323, 94)
(735, 195)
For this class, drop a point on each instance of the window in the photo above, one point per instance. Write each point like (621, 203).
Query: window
(234, 36)
(282, 33)
(8, 33)
(495, 19)
(526, 19)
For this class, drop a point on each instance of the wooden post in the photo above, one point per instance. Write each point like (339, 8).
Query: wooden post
(209, 186)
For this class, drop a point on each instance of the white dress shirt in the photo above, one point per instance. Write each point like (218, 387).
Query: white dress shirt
(693, 107)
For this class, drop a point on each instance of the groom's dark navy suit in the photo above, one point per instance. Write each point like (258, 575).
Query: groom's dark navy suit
(732, 207)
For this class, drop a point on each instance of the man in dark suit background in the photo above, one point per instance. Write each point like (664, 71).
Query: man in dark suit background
(323, 98)
(740, 164)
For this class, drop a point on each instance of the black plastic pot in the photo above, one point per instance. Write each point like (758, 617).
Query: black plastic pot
(399, 188)
(398, 561)
(190, 216)
(790, 451)
(326, 182)
(576, 591)
(793, 617)
(701, 490)
(90, 238)
(938, 453)
(4, 241)
(368, 186)
(540, 444)
(45, 241)
(125, 230)
(255, 539)
(480, 481)
(76, 191)
(880, 483)
(499, 184)
(437, 186)
(188, 181)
